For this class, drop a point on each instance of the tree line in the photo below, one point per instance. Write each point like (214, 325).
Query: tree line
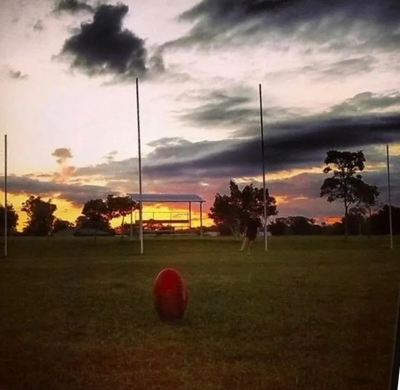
(362, 214)
(96, 215)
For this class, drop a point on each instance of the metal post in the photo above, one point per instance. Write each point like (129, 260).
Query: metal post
(5, 198)
(190, 215)
(263, 170)
(394, 372)
(390, 200)
(140, 169)
(131, 223)
(201, 219)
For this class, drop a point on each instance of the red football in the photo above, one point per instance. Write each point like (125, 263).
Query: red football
(170, 295)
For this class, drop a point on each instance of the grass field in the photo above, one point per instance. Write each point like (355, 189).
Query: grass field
(313, 313)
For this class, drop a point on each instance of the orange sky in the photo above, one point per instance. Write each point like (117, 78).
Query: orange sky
(332, 220)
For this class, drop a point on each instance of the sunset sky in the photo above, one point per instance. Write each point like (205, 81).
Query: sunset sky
(330, 77)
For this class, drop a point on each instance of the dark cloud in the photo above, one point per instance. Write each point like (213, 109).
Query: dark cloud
(115, 170)
(367, 101)
(240, 113)
(348, 67)
(234, 110)
(288, 145)
(221, 110)
(103, 47)
(73, 6)
(77, 194)
(333, 25)
(17, 75)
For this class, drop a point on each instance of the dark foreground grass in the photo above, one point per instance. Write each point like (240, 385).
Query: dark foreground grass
(315, 313)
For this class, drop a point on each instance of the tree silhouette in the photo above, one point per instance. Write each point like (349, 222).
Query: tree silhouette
(95, 215)
(40, 216)
(120, 206)
(345, 182)
(12, 219)
(232, 210)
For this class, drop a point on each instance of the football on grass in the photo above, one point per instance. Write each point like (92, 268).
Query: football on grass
(170, 295)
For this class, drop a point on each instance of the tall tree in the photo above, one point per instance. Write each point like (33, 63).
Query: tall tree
(12, 219)
(95, 215)
(345, 180)
(120, 206)
(232, 210)
(40, 216)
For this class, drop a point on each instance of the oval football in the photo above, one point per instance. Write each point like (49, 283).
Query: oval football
(170, 294)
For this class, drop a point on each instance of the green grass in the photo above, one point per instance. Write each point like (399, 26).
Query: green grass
(313, 313)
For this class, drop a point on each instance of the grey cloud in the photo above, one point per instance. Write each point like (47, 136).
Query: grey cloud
(356, 23)
(235, 111)
(367, 101)
(350, 66)
(240, 112)
(116, 170)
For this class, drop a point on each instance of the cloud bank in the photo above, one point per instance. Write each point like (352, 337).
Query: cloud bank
(356, 24)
